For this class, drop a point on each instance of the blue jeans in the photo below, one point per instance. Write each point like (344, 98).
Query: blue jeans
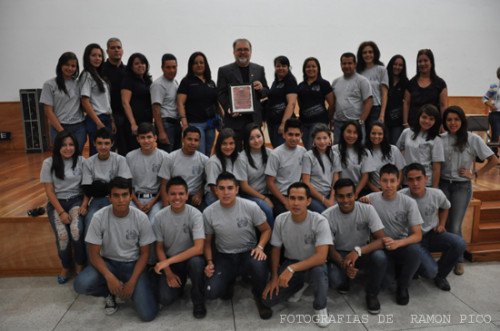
(154, 210)
(373, 117)
(394, 133)
(317, 277)
(173, 132)
(375, 263)
(264, 206)
(409, 259)
(92, 129)
(307, 140)
(337, 129)
(459, 194)
(91, 282)
(210, 198)
(275, 138)
(207, 138)
(68, 235)
(450, 245)
(193, 267)
(229, 266)
(78, 130)
(494, 119)
(317, 205)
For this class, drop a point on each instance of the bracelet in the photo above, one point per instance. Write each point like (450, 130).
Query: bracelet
(405, 123)
(182, 116)
(262, 248)
(323, 200)
(62, 212)
(290, 269)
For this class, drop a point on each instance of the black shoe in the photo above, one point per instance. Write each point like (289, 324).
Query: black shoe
(372, 304)
(199, 310)
(229, 293)
(442, 283)
(402, 296)
(264, 312)
(344, 287)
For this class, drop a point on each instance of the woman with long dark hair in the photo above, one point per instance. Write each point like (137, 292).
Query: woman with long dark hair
(225, 155)
(61, 100)
(382, 153)
(312, 94)
(460, 150)
(422, 143)
(426, 87)
(249, 170)
(94, 91)
(197, 101)
(398, 82)
(355, 160)
(281, 101)
(61, 176)
(136, 98)
(320, 169)
(370, 66)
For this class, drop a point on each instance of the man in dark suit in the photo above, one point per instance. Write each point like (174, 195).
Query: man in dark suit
(241, 72)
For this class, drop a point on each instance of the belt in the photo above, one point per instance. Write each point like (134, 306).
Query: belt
(170, 120)
(145, 195)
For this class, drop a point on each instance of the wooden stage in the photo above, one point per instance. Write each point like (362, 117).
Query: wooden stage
(34, 251)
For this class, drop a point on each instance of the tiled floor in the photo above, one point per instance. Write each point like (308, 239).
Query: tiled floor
(39, 303)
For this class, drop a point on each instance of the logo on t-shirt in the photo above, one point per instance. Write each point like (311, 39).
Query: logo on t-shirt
(309, 239)
(196, 170)
(429, 210)
(399, 216)
(131, 235)
(242, 222)
(185, 228)
(155, 167)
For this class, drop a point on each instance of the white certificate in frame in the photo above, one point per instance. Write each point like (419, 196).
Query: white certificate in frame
(242, 98)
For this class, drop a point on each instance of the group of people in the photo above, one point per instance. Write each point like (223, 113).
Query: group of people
(216, 217)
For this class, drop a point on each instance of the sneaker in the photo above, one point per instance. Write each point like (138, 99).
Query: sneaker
(459, 268)
(323, 319)
(372, 304)
(264, 312)
(110, 305)
(298, 295)
(402, 296)
(442, 283)
(199, 310)
(344, 287)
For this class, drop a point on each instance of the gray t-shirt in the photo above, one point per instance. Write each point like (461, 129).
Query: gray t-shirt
(301, 239)
(164, 92)
(213, 168)
(66, 106)
(286, 165)
(421, 151)
(104, 170)
(377, 75)
(354, 169)
(177, 231)
(428, 205)
(190, 167)
(455, 159)
(120, 237)
(378, 161)
(350, 95)
(353, 229)
(321, 180)
(144, 169)
(69, 187)
(234, 227)
(398, 215)
(100, 101)
(255, 177)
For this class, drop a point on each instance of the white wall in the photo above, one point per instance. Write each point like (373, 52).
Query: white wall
(463, 34)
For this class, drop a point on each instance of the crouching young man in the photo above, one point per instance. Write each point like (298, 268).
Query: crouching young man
(305, 237)
(119, 237)
(352, 224)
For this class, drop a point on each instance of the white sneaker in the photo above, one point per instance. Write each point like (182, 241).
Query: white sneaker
(298, 295)
(110, 306)
(323, 320)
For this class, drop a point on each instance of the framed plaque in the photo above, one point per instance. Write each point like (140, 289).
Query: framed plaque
(242, 98)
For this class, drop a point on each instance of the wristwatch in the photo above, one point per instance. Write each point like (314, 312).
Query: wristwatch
(358, 249)
(361, 122)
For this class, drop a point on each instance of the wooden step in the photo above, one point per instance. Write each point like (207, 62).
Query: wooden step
(483, 252)
(491, 214)
(488, 232)
(487, 195)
